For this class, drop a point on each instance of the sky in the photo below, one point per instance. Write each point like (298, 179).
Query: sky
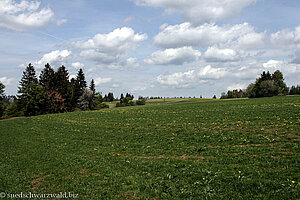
(152, 47)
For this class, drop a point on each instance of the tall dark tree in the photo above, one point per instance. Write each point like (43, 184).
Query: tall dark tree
(47, 78)
(278, 79)
(110, 97)
(80, 78)
(29, 76)
(35, 100)
(63, 86)
(1, 98)
(92, 86)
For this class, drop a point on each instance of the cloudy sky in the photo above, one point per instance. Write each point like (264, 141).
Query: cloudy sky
(152, 47)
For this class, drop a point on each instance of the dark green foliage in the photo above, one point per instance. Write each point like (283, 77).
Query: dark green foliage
(35, 100)
(97, 103)
(80, 79)
(63, 87)
(92, 86)
(140, 102)
(295, 90)
(234, 94)
(13, 110)
(28, 77)
(267, 85)
(110, 97)
(2, 105)
(214, 97)
(47, 78)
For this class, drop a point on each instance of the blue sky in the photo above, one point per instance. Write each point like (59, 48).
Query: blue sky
(152, 47)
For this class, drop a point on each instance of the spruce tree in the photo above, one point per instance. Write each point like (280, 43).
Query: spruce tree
(80, 78)
(1, 99)
(92, 86)
(63, 86)
(47, 77)
(29, 76)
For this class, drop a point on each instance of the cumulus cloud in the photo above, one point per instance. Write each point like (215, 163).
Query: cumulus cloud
(286, 38)
(214, 54)
(24, 15)
(177, 56)
(129, 63)
(100, 81)
(7, 81)
(200, 11)
(54, 57)
(77, 65)
(185, 34)
(109, 48)
(252, 40)
(237, 87)
(186, 79)
(273, 64)
(285, 67)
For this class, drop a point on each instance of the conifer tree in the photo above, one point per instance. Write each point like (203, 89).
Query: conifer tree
(47, 77)
(80, 78)
(29, 76)
(92, 86)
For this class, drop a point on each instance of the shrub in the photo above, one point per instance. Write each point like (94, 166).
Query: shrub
(140, 102)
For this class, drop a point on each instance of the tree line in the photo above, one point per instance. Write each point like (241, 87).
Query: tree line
(51, 92)
(267, 85)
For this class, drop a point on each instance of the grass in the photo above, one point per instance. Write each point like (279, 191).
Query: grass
(242, 149)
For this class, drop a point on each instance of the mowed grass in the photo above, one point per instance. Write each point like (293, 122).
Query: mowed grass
(241, 149)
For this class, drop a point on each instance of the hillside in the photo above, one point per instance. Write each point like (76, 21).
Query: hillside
(218, 149)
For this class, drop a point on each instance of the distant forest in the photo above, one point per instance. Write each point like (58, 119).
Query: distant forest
(54, 92)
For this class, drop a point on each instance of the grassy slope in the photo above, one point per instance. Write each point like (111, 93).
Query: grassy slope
(216, 149)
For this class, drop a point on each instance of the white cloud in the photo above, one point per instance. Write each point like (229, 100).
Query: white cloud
(7, 81)
(287, 68)
(286, 38)
(129, 63)
(252, 40)
(77, 65)
(100, 81)
(186, 79)
(54, 57)
(172, 56)
(237, 87)
(61, 22)
(200, 11)
(111, 47)
(174, 36)
(273, 64)
(24, 15)
(214, 54)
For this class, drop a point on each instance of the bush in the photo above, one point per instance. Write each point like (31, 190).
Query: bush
(118, 104)
(13, 111)
(132, 103)
(99, 106)
(140, 102)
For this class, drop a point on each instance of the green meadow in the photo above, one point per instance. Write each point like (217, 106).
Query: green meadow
(167, 149)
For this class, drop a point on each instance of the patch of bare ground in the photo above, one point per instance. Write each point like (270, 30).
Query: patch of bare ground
(130, 195)
(37, 182)
(294, 136)
(10, 118)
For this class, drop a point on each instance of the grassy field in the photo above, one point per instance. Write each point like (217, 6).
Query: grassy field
(240, 149)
